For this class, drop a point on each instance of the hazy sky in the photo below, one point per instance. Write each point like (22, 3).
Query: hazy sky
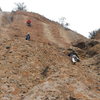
(83, 16)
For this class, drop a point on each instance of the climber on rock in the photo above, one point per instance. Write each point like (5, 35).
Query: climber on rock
(29, 23)
(28, 36)
(74, 57)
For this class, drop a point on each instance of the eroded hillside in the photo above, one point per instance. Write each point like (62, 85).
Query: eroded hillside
(40, 69)
(43, 30)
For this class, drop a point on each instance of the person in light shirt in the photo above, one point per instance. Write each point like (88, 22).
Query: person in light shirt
(74, 57)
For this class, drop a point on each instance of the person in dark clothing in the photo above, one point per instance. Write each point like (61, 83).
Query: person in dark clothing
(28, 36)
(28, 22)
(74, 57)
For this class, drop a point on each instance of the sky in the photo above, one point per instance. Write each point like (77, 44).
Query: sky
(83, 16)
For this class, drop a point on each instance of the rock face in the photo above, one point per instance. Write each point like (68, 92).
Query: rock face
(40, 69)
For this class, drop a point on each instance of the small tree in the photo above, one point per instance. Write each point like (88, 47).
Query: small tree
(0, 10)
(20, 7)
(94, 33)
(63, 22)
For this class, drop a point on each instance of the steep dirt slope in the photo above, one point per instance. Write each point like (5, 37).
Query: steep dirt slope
(42, 29)
(40, 69)
(31, 70)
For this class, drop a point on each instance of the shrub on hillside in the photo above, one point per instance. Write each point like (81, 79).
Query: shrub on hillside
(20, 7)
(0, 9)
(93, 33)
(63, 22)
